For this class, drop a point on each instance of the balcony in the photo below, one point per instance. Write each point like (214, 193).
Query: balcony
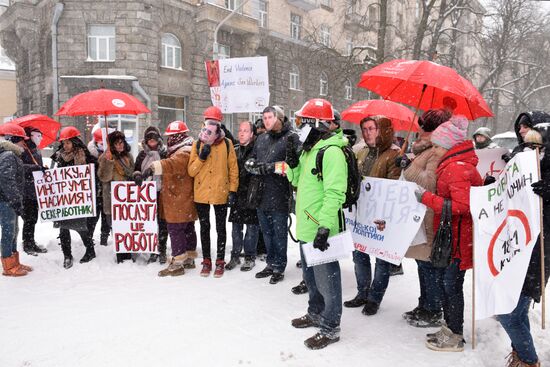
(306, 5)
(355, 22)
(238, 23)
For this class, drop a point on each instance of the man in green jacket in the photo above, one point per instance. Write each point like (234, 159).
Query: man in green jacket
(318, 208)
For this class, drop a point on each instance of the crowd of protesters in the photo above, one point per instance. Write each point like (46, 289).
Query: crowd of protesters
(264, 175)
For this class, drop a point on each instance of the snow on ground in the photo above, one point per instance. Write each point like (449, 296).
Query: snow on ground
(104, 314)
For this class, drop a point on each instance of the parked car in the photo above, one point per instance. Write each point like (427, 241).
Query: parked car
(506, 140)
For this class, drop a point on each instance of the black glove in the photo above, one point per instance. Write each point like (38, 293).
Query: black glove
(292, 158)
(541, 188)
(266, 168)
(138, 178)
(402, 161)
(232, 199)
(489, 180)
(147, 173)
(506, 157)
(205, 151)
(320, 242)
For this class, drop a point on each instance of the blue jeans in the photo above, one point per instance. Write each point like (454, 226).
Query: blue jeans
(453, 302)
(366, 289)
(431, 286)
(274, 226)
(8, 222)
(250, 240)
(324, 285)
(516, 325)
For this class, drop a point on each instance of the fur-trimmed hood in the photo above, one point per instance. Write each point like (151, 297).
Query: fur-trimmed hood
(9, 146)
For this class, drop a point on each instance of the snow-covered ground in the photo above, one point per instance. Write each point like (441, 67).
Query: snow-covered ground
(104, 314)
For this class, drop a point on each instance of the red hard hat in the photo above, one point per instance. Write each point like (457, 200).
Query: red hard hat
(317, 108)
(213, 113)
(98, 136)
(68, 133)
(176, 127)
(13, 130)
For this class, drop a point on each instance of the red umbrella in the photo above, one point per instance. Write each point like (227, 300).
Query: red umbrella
(102, 102)
(425, 85)
(47, 126)
(400, 115)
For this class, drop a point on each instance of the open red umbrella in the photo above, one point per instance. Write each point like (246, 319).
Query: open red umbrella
(425, 85)
(47, 126)
(102, 102)
(400, 115)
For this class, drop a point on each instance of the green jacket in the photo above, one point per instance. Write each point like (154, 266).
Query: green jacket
(318, 202)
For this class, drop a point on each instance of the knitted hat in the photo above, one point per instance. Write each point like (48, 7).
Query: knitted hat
(450, 133)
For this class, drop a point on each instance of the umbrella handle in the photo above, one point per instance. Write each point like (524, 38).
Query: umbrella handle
(416, 115)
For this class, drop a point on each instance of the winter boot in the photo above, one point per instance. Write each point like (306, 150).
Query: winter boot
(356, 302)
(220, 265)
(175, 268)
(68, 262)
(412, 313)
(152, 258)
(425, 318)
(249, 264)
(267, 272)
(276, 278)
(162, 258)
(396, 270)
(371, 308)
(320, 341)
(11, 267)
(232, 264)
(31, 248)
(303, 322)
(103, 239)
(206, 267)
(89, 255)
(437, 334)
(189, 264)
(24, 267)
(300, 288)
(446, 341)
(512, 359)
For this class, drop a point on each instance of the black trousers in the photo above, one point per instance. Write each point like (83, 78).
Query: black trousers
(220, 212)
(30, 217)
(65, 239)
(105, 224)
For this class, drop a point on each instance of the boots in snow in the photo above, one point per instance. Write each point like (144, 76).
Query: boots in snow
(276, 278)
(320, 341)
(267, 272)
(303, 322)
(412, 313)
(220, 265)
(447, 341)
(206, 267)
(371, 308)
(425, 318)
(103, 239)
(189, 264)
(152, 258)
(89, 255)
(175, 268)
(300, 288)
(249, 264)
(512, 359)
(24, 267)
(232, 264)
(356, 302)
(68, 262)
(396, 270)
(11, 267)
(31, 248)
(162, 258)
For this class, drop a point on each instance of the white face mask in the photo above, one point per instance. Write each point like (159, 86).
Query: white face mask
(36, 137)
(304, 132)
(100, 147)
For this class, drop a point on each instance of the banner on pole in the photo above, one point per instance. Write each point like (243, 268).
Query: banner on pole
(134, 214)
(239, 84)
(506, 218)
(386, 219)
(490, 161)
(65, 193)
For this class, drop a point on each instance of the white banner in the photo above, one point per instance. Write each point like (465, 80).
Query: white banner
(490, 161)
(134, 214)
(387, 218)
(340, 247)
(239, 84)
(65, 193)
(506, 226)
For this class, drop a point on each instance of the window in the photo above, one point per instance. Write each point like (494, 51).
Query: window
(323, 84)
(170, 109)
(325, 35)
(348, 90)
(327, 3)
(262, 16)
(228, 122)
(292, 117)
(295, 26)
(294, 78)
(373, 14)
(349, 47)
(417, 8)
(232, 4)
(171, 51)
(101, 43)
(224, 51)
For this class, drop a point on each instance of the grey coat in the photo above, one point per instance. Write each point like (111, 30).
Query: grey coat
(12, 176)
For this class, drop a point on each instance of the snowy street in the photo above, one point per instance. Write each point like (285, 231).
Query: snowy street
(104, 314)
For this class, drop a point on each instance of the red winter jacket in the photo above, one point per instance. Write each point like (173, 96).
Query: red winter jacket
(456, 173)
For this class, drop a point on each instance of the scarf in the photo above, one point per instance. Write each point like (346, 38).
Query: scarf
(77, 156)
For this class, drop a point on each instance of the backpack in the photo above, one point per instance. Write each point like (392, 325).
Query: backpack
(354, 178)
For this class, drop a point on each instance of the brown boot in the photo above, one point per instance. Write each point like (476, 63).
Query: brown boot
(175, 268)
(24, 267)
(512, 359)
(11, 267)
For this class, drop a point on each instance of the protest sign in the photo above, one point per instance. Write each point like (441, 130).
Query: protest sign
(239, 84)
(134, 214)
(340, 247)
(387, 218)
(65, 193)
(490, 161)
(506, 226)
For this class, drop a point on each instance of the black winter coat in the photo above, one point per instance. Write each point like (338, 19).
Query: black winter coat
(12, 176)
(32, 161)
(271, 147)
(240, 212)
(532, 284)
